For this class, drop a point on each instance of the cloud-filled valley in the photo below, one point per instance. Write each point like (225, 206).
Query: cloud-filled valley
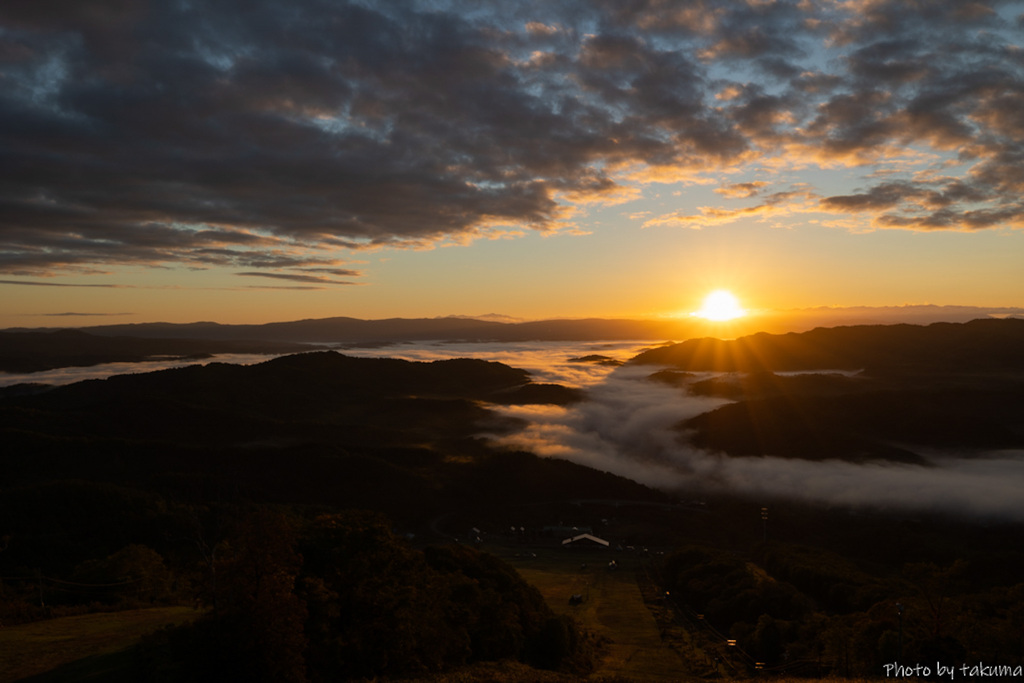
(628, 426)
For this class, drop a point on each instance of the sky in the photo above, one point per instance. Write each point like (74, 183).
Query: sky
(260, 160)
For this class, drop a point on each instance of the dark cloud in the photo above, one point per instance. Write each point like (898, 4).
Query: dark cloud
(927, 206)
(35, 283)
(297, 277)
(742, 190)
(883, 196)
(75, 314)
(343, 272)
(944, 76)
(763, 116)
(214, 134)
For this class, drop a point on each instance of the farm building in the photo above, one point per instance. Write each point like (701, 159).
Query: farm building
(584, 540)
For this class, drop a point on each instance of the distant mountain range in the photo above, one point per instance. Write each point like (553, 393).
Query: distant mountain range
(37, 351)
(346, 330)
(32, 350)
(354, 330)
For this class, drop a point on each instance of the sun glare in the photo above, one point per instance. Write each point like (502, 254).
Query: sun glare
(720, 305)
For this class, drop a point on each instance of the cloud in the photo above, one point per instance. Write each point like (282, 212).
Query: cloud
(197, 133)
(627, 427)
(927, 205)
(70, 375)
(33, 283)
(882, 196)
(77, 314)
(297, 277)
(547, 362)
(774, 205)
(741, 190)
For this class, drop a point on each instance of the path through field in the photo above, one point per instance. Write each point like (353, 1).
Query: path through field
(612, 607)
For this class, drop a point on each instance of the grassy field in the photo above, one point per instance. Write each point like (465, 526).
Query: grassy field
(645, 642)
(38, 647)
(638, 644)
(613, 608)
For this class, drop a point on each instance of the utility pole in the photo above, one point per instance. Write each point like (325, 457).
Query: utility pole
(899, 651)
(39, 586)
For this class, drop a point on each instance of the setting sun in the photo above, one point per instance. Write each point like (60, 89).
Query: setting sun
(720, 305)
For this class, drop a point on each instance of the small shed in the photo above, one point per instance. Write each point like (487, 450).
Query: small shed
(584, 540)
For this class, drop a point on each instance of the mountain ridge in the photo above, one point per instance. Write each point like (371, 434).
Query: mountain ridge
(347, 329)
(975, 345)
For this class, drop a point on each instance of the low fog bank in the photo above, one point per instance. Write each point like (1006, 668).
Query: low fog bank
(626, 427)
(72, 374)
(547, 362)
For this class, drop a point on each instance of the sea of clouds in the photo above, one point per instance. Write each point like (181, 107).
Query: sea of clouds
(628, 426)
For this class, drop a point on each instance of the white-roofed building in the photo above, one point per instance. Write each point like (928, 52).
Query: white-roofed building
(584, 540)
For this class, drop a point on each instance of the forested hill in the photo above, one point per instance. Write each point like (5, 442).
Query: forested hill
(209, 476)
(979, 345)
(911, 389)
(321, 427)
(313, 398)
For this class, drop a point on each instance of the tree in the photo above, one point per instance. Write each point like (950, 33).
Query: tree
(257, 595)
(767, 640)
(135, 573)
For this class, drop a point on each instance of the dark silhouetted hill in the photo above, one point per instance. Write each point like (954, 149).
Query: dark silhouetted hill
(978, 345)
(939, 387)
(319, 427)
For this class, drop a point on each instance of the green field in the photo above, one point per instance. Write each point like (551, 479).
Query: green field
(38, 647)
